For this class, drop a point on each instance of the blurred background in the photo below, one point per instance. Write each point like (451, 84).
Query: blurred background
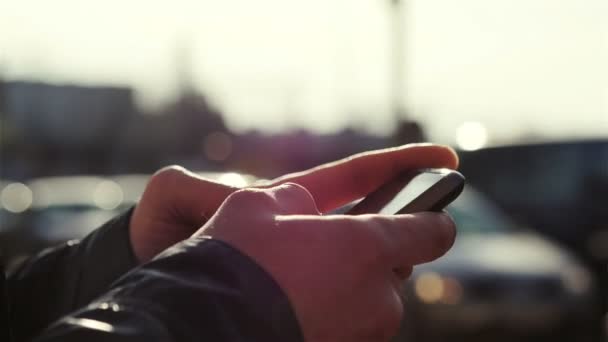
(96, 96)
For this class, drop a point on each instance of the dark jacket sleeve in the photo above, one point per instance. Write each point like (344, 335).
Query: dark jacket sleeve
(62, 279)
(198, 290)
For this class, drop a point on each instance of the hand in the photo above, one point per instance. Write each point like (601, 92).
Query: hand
(177, 202)
(337, 271)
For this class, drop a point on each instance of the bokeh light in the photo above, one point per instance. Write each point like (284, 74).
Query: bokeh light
(429, 287)
(16, 197)
(108, 195)
(471, 136)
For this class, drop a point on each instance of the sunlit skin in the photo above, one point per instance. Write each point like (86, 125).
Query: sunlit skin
(337, 270)
(177, 202)
(322, 262)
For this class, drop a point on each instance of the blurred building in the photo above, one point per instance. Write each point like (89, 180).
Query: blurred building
(66, 115)
(184, 132)
(49, 128)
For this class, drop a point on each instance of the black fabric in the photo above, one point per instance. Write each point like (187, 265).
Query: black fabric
(198, 290)
(4, 325)
(62, 279)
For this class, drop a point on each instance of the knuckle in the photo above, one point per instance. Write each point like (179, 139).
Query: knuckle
(370, 240)
(168, 174)
(295, 188)
(379, 230)
(251, 196)
(171, 171)
(299, 193)
(167, 177)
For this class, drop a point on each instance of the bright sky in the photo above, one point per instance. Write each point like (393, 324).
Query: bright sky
(517, 66)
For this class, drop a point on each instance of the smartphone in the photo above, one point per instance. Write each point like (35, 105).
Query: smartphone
(411, 192)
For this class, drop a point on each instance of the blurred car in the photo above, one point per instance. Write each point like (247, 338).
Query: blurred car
(560, 188)
(498, 280)
(46, 211)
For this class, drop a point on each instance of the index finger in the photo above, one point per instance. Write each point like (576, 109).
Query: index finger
(401, 240)
(335, 184)
(417, 238)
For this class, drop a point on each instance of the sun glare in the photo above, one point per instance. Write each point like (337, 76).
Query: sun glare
(471, 136)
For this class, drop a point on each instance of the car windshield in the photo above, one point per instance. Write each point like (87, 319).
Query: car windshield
(475, 214)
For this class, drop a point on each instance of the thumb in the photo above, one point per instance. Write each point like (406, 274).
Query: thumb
(185, 195)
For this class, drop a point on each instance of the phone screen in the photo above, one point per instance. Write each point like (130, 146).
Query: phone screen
(419, 184)
(419, 190)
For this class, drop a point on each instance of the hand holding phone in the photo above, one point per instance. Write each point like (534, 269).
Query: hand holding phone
(413, 191)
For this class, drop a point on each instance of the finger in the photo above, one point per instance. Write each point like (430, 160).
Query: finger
(400, 241)
(193, 198)
(417, 238)
(335, 184)
(293, 199)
